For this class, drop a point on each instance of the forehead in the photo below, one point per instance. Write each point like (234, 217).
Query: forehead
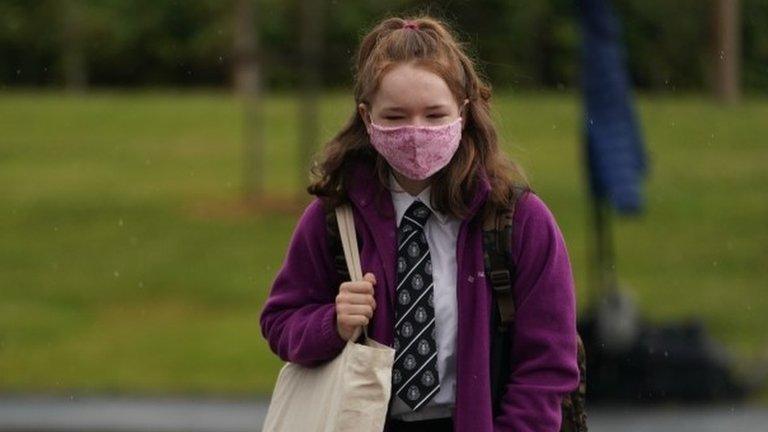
(408, 86)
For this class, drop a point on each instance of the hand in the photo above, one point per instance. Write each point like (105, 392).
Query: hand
(354, 305)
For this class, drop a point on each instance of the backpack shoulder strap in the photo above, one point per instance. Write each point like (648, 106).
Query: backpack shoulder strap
(497, 242)
(500, 270)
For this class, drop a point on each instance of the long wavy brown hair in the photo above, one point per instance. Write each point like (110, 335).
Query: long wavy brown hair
(434, 47)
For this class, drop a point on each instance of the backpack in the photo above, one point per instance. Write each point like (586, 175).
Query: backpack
(497, 240)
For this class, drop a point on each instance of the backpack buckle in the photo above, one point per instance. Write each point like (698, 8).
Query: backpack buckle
(501, 280)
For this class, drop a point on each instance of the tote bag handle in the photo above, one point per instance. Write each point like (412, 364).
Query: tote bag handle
(351, 254)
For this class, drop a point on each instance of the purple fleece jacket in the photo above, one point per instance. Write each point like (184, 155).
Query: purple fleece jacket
(299, 317)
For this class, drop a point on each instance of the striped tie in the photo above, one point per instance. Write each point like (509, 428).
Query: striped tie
(414, 375)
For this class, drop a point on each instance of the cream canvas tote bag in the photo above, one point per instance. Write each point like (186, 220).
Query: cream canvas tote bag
(350, 392)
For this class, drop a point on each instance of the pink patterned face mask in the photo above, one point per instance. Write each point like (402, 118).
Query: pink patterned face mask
(417, 152)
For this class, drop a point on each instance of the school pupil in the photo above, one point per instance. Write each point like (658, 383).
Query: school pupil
(419, 160)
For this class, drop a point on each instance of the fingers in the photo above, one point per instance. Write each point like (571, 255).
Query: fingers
(355, 298)
(360, 287)
(356, 310)
(354, 320)
(362, 299)
(370, 277)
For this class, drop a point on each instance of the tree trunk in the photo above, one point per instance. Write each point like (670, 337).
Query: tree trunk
(247, 87)
(727, 51)
(312, 13)
(74, 70)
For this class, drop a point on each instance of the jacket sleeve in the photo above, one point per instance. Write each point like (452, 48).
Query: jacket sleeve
(544, 348)
(298, 318)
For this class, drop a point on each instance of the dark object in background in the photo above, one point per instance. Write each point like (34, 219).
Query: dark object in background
(675, 361)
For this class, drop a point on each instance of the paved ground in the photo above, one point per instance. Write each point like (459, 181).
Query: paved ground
(43, 414)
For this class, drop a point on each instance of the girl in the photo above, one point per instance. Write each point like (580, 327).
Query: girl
(418, 160)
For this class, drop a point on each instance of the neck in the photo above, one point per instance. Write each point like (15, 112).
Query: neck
(413, 187)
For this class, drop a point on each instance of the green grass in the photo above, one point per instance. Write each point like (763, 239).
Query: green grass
(113, 280)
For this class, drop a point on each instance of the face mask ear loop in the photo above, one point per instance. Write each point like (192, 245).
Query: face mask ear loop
(463, 113)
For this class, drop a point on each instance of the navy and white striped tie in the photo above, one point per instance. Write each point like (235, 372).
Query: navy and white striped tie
(414, 375)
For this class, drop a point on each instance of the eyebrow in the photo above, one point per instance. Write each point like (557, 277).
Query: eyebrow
(396, 108)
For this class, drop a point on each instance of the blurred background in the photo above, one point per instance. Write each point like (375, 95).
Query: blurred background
(154, 157)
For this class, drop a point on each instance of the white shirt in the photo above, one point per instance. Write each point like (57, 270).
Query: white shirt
(441, 231)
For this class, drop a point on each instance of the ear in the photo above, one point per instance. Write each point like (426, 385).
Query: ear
(362, 108)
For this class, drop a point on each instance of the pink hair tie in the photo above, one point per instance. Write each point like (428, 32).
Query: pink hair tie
(410, 24)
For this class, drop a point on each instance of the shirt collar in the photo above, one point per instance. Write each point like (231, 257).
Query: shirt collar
(402, 200)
